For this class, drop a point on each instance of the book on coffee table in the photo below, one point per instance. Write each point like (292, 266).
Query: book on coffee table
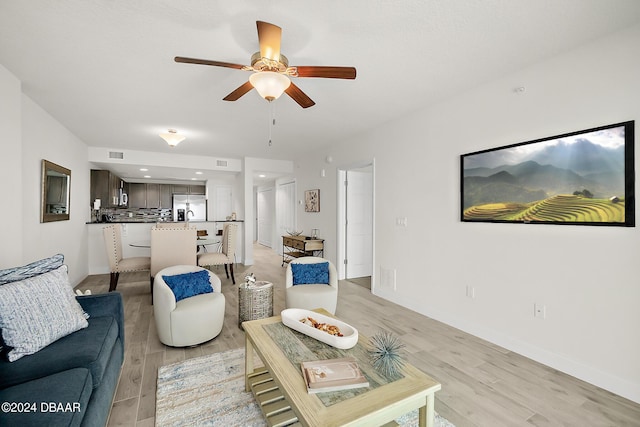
(333, 375)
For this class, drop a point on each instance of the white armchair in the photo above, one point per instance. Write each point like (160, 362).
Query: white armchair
(311, 295)
(192, 320)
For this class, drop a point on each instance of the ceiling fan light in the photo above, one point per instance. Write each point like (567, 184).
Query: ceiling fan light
(270, 85)
(172, 137)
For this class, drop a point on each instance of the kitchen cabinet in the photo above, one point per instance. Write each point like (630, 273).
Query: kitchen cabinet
(153, 196)
(106, 187)
(166, 196)
(137, 195)
(189, 189)
(145, 195)
(197, 190)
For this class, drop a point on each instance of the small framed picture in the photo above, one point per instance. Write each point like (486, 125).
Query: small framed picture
(312, 201)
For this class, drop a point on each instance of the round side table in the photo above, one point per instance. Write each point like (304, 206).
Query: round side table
(255, 301)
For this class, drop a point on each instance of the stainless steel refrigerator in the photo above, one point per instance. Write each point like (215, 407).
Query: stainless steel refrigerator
(189, 207)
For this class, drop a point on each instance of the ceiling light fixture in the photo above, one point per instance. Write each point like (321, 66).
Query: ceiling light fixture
(172, 137)
(270, 85)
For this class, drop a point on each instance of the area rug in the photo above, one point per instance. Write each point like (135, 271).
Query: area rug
(209, 391)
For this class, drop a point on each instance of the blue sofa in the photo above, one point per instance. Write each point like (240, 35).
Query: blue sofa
(72, 381)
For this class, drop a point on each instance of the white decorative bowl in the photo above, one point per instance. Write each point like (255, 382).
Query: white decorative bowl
(294, 232)
(291, 318)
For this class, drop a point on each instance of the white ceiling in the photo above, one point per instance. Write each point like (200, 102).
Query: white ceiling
(105, 68)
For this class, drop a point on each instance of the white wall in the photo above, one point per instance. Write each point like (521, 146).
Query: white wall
(10, 173)
(586, 276)
(43, 137)
(30, 135)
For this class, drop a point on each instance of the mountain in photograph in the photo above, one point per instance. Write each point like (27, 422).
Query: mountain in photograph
(557, 169)
(582, 157)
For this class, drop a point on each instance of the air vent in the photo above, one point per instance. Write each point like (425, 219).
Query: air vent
(116, 155)
(222, 163)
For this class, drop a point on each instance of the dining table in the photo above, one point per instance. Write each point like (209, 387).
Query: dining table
(200, 243)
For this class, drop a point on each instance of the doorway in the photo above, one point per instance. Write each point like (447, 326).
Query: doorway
(285, 210)
(356, 229)
(265, 208)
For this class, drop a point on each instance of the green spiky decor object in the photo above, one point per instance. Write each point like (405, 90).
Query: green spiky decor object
(385, 353)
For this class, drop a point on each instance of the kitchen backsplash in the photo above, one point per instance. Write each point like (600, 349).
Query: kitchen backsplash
(133, 215)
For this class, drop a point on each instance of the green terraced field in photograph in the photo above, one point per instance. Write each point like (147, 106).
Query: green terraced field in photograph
(560, 208)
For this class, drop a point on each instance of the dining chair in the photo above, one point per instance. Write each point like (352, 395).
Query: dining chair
(170, 224)
(227, 254)
(171, 246)
(118, 264)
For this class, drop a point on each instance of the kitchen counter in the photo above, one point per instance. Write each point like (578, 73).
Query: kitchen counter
(163, 222)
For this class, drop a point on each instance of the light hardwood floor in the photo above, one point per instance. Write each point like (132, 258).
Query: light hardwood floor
(482, 384)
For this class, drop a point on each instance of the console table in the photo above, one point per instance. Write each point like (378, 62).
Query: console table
(299, 246)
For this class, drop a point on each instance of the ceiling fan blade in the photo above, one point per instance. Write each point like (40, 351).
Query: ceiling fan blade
(236, 94)
(207, 62)
(299, 96)
(269, 37)
(327, 72)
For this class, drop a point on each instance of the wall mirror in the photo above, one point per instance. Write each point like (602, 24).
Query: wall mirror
(56, 192)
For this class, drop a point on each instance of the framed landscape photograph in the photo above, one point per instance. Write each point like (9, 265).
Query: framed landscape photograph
(579, 178)
(312, 201)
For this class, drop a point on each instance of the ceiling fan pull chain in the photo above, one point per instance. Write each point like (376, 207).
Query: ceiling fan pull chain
(272, 120)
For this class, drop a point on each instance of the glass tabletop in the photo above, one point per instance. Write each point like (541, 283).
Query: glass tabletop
(198, 242)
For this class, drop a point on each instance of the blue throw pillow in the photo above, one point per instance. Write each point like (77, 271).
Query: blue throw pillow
(36, 268)
(305, 274)
(189, 284)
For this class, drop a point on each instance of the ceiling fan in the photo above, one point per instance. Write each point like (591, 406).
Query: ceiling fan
(271, 69)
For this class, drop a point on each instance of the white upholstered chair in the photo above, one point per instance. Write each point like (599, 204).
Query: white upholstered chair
(170, 224)
(118, 264)
(172, 246)
(227, 253)
(192, 320)
(312, 295)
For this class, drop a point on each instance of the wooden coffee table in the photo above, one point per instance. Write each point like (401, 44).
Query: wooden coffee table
(281, 391)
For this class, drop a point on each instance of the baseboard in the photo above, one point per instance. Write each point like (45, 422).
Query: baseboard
(604, 380)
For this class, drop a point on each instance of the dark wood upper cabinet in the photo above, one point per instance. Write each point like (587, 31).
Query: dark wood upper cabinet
(137, 195)
(153, 196)
(106, 187)
(166, 196)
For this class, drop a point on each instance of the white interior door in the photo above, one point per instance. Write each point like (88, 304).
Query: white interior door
(265, 207)
(285, 210)
(359, 223)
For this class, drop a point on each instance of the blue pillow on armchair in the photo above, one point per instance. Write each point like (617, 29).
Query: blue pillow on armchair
(305, 274)
(189, 284)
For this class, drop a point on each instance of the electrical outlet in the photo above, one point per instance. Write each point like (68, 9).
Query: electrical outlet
(471, 292)
(388, 278)
(539, 311)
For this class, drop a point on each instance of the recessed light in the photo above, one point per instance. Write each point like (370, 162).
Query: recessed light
(147, 176)
(262, 175)
(198, 173)
(143, 169)
(193, 179)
